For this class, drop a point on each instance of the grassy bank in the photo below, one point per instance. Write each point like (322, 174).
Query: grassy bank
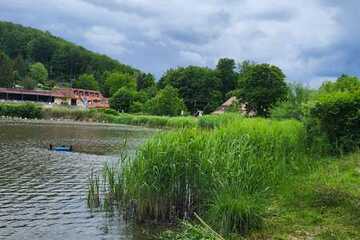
(109, 116)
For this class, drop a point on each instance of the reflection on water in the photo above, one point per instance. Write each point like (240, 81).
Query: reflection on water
(42, 193)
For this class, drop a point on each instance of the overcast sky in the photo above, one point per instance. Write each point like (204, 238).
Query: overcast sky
(311, 40)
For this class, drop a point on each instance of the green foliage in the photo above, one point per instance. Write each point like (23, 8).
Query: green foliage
(230, 169)
(86, 81)
(123, 99)
(215, 121)
(166, 102)
(338, 116)
(64, 60)
(261, 86)
(225, 71)
(292, 107)
(38, 73)
(6, 71)
(196, 87)
(342, 84)
(20, 68)
(28, 83)
(236, 214)
(116, 80)
(144, 81)
(27, 110)
(136, 107)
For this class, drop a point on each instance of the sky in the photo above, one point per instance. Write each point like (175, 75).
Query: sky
(310, 40)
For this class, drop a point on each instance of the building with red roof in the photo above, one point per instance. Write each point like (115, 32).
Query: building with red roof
(59, 96)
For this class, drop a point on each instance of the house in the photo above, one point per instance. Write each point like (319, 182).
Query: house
(233, 101)
(61, 96)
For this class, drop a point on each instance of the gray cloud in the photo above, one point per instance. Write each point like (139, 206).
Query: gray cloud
(310, 40)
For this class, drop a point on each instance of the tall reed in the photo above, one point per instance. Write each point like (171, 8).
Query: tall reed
(223, 174)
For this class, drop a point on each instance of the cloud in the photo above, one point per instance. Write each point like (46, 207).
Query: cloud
(310, 40)
(192, 58)
(106, 40)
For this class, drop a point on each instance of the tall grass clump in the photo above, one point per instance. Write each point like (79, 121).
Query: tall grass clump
(225, 174)
(214, 121)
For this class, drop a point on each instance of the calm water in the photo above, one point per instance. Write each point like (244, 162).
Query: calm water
(42, 193)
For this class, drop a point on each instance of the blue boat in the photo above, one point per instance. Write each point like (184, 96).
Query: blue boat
(60, 148)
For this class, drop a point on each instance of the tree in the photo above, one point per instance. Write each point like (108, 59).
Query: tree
(145, 81)
(41, 49)
(342, 84)
(122, 99)
(6, 71)
(225, 71)
(196, 86)
(166, 102)
(38, 72)
(20, 67)
(117, 80)
(297, 96)
(86, 81)
(261, 86)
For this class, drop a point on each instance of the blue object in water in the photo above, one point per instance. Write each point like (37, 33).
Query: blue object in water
(60, 148)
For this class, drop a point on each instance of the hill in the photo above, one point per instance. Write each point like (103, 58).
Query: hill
(64, 60)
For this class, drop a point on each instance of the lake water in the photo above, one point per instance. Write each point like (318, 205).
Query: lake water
(43, 193)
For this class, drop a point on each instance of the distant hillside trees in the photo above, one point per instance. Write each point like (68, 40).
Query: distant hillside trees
(86, 81)
(64, 61)
(6, 71)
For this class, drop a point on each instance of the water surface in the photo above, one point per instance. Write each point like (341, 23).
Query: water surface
(42, 193)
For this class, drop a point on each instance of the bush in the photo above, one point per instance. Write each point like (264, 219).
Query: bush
(27, 110)
(338, 116)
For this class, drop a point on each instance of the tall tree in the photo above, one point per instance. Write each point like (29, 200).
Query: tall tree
(196, 86)
(145, 80)
(342, 84)
(20, 67)
(166, 102)
(38, 72)
(226, 72)
(261, 86)
(122, 99)
(6, 71)
(86, 81)
(117, 80)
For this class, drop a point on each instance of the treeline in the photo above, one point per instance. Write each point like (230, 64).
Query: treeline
(64, 61)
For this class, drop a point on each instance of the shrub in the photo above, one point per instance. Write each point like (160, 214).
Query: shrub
(338, 116)
(27, 110)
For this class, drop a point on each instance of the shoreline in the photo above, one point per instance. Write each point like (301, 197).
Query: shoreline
(59, 121)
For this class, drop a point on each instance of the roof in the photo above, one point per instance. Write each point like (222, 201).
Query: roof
(59, 92)
(30, 92)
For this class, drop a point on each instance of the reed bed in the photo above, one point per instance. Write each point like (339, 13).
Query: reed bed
(225, 174)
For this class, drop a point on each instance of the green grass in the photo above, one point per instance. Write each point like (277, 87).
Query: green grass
(226, 174)
(324, 203)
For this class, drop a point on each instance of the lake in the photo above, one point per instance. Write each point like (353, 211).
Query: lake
(43, 193)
